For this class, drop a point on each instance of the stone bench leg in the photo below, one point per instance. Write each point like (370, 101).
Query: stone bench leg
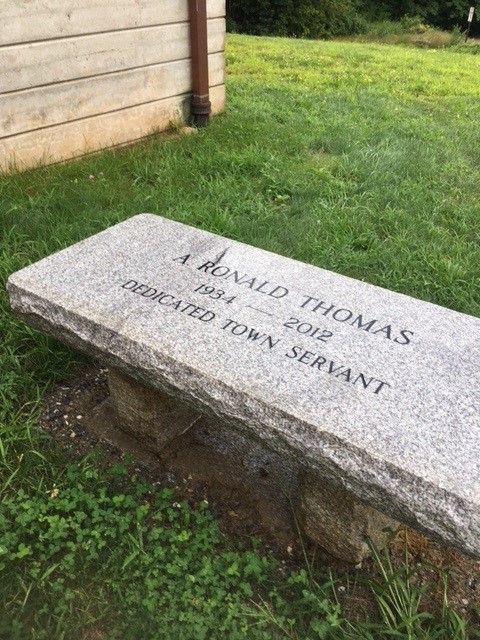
(338, 521)
(150, 416)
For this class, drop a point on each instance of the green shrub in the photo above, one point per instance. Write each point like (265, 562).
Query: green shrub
(259, 17)
(384, 28)
(325, 18)
(298, 18)
(412, 24)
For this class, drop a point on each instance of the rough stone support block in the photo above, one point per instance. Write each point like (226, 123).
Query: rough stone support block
(338, 521)
(152, 417)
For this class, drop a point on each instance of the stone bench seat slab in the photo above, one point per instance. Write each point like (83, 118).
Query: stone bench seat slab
(375, 390)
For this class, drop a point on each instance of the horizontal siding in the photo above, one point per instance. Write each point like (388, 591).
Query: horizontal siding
(47, 106)
(77, 77)
(32, 20)
(84, 136)
(42, 63)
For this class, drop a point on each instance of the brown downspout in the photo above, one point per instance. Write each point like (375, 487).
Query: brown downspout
(201, 105)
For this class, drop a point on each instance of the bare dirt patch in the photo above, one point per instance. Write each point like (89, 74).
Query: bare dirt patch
(248, 488)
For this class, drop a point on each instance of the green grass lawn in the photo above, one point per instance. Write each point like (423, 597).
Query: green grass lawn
(360, 158)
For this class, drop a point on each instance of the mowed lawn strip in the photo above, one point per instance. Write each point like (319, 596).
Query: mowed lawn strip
(359, 158)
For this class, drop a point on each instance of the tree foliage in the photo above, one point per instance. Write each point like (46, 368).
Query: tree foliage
(298, 18)
(440, 13)
(324, 18)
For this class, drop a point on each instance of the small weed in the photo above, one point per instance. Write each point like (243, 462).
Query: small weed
(404, 608)
(175, 126)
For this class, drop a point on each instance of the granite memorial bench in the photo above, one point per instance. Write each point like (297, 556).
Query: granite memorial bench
(376, 394)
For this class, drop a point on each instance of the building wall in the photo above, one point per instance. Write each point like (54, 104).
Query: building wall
(81, 75)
